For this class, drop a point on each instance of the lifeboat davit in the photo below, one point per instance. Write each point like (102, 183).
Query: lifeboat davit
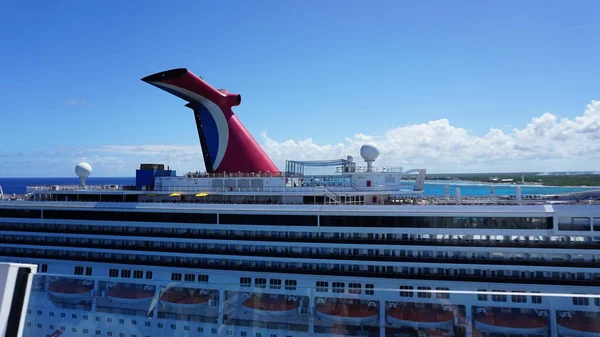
(511, 323)
(272, 305)
(184, 298)
(348, 312)
(579, 325)
(71, 290)
(130, 294)
(421, 318)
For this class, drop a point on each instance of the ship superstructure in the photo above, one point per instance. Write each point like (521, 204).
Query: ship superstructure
(244, 249)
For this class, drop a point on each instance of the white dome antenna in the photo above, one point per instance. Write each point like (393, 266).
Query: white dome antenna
(83, 170)
(369, 153)
(350, 158)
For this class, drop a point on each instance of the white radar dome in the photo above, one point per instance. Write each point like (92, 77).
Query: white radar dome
(83, 170)
(350, 158)
(369, 152)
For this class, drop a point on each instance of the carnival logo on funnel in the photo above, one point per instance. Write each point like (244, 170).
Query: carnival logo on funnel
(226, 143)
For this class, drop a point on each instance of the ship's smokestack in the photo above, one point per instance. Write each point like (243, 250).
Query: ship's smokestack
(226, 144)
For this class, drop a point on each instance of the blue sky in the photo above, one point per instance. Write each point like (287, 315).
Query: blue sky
(317, 77)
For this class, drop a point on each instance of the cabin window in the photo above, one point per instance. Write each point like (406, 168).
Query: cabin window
(338, 287)
(124, 216)
(260, 282)
(203, 278)
(443, 293)
(268, 219)
(581, 301)
(574, 224)
(190, 277)
(481, 296)
(113, 273)
(176, 277)
(322, 286)
(369, 289)
(536, 299)
(406, 291)
(597, 224)
(20, 213)
(354, 288)
(275, 283)
(519, 298)
(424, 294)
(290, 284)
(499, 297)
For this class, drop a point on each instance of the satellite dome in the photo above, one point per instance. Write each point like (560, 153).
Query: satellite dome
(83, 170)
(369, 152)
(350, 158)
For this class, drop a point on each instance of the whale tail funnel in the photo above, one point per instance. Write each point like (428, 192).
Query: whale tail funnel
(227, 146)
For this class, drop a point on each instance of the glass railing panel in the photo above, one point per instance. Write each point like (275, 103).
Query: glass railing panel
(113, 307)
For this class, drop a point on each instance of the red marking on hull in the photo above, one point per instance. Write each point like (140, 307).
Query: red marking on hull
(55, 333)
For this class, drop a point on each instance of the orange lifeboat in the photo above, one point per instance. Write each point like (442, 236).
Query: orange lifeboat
(71, 290)
(520, 323)
(184, 298)
(272, 305)
(578, 324)
(131, 293)
(421, 318)
(348, 311)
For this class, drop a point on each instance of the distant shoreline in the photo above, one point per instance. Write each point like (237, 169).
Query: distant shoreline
(490, 183)
(523, 179)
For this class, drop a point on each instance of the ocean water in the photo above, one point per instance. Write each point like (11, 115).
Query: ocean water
(432, 188)
(437, 187)
(18, 185)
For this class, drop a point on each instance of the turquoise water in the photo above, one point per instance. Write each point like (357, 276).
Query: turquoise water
(433, 188)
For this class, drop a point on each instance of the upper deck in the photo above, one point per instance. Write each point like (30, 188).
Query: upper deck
(238, 171)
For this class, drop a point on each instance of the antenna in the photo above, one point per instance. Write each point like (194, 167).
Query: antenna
(369, 153)
(83, 170)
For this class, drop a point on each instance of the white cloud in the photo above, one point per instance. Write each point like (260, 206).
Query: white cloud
(547, 143)
(544, 144)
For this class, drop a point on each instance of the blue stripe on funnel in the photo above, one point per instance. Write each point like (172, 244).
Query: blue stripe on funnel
(211, 133)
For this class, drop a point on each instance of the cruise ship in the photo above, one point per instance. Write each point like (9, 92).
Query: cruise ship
(246, 250)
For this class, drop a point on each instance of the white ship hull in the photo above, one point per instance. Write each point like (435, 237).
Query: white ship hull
(228, 316)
